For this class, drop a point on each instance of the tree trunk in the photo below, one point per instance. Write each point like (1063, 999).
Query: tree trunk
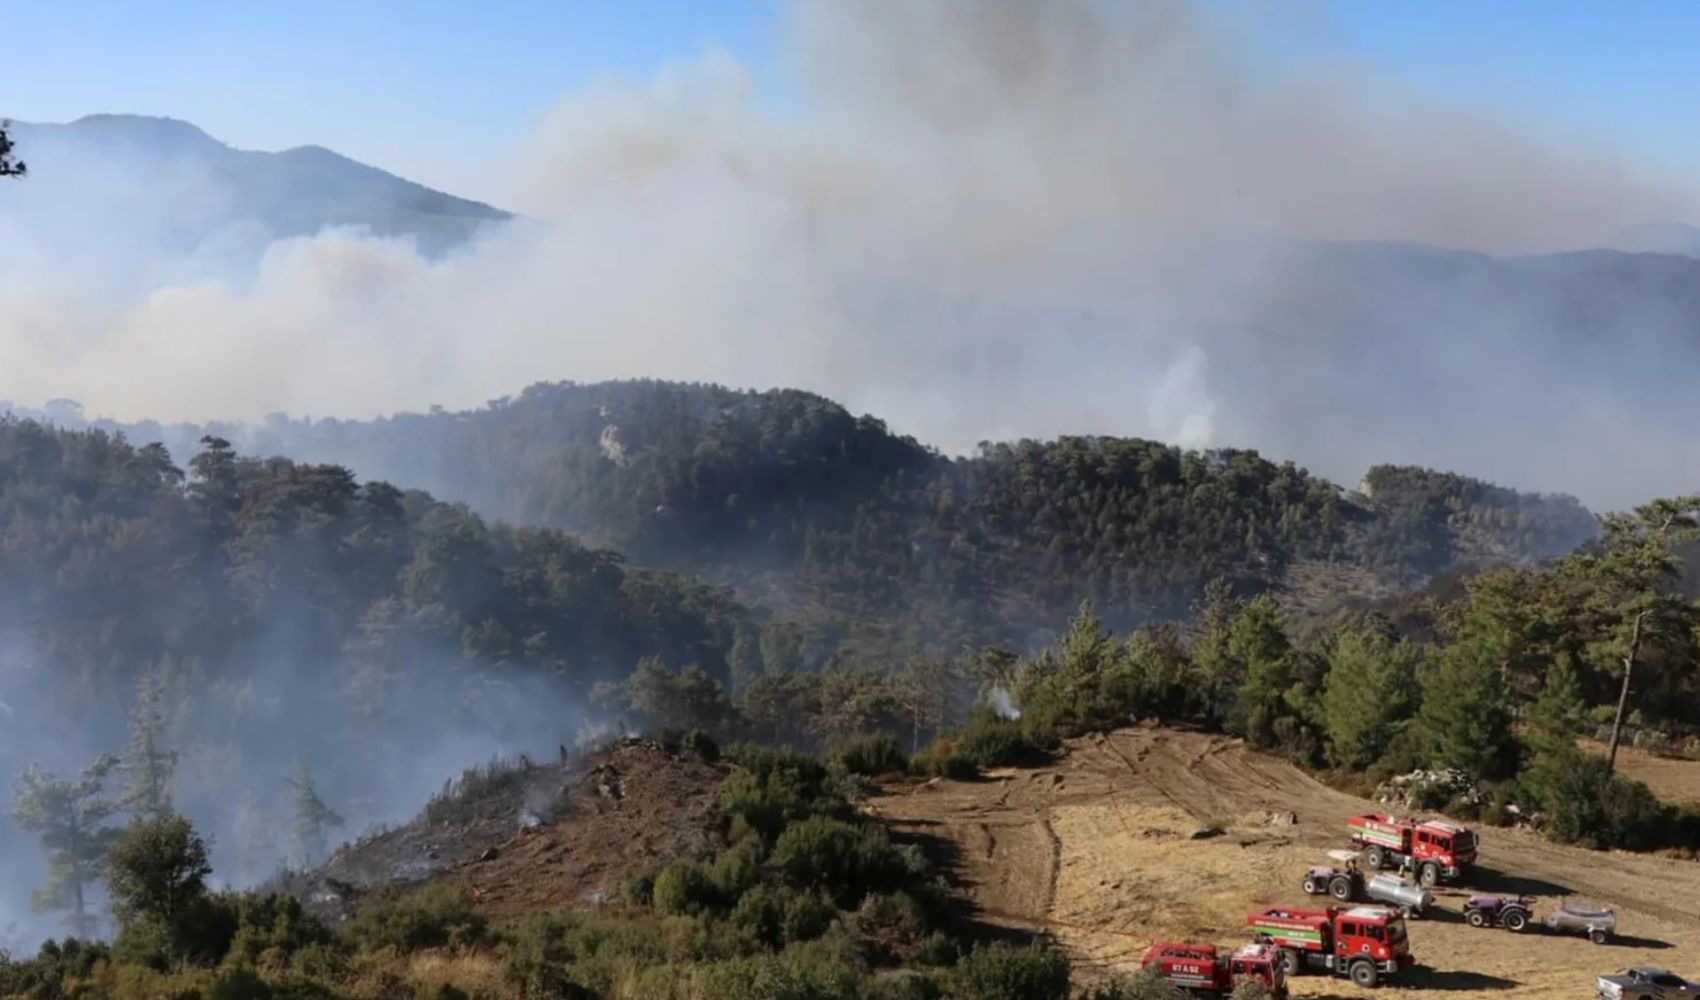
(1623, 694)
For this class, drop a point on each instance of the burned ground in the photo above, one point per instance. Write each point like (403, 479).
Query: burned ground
(524, 837)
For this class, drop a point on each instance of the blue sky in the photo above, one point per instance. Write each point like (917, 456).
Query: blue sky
(425, 87)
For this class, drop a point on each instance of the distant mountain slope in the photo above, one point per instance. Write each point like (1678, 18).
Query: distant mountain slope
(204, 195)
(1660, 237)
(805, 505)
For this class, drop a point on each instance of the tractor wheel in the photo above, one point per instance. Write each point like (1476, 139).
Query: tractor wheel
(1341, 888)
(1598, 935)
(1476, 918)
(1429, 875)
(1375, 858)
(1291, 961)
(1516, 921)
(1363, 974)
(1311, 888)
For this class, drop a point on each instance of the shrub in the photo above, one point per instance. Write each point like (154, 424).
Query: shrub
(894, 922)
(760, 913)
(1142, 985)
(272, 925)
(434, 917)
(638, 889)
(1585, 802)
(990, 741)
(737, 868)
(844, 860)
(676, 741)
(807, 916)
(1001, 972)
(682, 889)
(942, 761)
(870, 755)
(774, 787)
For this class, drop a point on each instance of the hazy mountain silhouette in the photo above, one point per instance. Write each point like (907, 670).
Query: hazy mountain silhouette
(201, 193)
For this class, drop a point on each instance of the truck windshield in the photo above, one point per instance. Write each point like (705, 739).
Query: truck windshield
(1396, 930)
(1463, 841)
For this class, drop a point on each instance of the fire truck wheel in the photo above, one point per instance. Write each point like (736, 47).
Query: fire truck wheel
(1516, 921)
(1290, 961)
(1429, 875)
(1363, 974)
(1375, 858)
(1476, 918)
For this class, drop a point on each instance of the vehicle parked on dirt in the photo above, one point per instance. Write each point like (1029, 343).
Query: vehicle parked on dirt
(1365, 943)
(1437, 851)
(1596, 921)
(1200, 970)
(1348, 884)
(1645, 983)
(1514, 913)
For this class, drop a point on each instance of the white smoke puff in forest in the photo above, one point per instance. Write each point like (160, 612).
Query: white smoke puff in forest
(989, 220)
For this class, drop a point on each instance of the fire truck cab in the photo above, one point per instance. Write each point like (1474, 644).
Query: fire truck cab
(1365, 943)
(1438, 851)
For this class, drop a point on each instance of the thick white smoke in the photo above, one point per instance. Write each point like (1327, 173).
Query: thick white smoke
(981, 220)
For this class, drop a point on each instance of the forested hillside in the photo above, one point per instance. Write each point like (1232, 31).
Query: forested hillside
(805, 505)
(266, 617)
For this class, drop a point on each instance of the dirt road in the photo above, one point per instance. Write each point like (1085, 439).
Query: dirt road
(1098, 849)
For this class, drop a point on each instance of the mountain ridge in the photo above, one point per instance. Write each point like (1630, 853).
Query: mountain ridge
(292, 192)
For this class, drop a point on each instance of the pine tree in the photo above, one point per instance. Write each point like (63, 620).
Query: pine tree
(147, 765)
(69, 817)
(1372, 692)
(1466, 713)
(313, 819)
(1558, 715)
(1258, 645)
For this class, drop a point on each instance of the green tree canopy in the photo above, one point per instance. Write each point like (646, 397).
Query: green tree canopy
(69, 815)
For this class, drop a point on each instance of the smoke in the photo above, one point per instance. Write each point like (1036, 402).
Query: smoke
(980, 220)
(1003, 703)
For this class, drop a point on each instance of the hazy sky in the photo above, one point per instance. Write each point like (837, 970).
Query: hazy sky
(438, 90)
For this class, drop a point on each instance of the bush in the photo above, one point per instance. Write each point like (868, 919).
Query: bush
(676, 741)
(774, 787)
(737, 869)
(682, 890)
(275, 926)
(894, 922)
(990, 741)
(844, 860)
(942, 761)
(435, 917)
(1001, 972)
(1142, 985)
(1585, 802)
(870, 755)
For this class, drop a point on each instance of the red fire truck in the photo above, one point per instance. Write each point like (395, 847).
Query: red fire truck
(1438, 851)
(1199, 969)
(1363, 942)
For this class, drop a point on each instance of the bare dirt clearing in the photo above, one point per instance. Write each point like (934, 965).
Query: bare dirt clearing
(1098, 848)
(1672, 779)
